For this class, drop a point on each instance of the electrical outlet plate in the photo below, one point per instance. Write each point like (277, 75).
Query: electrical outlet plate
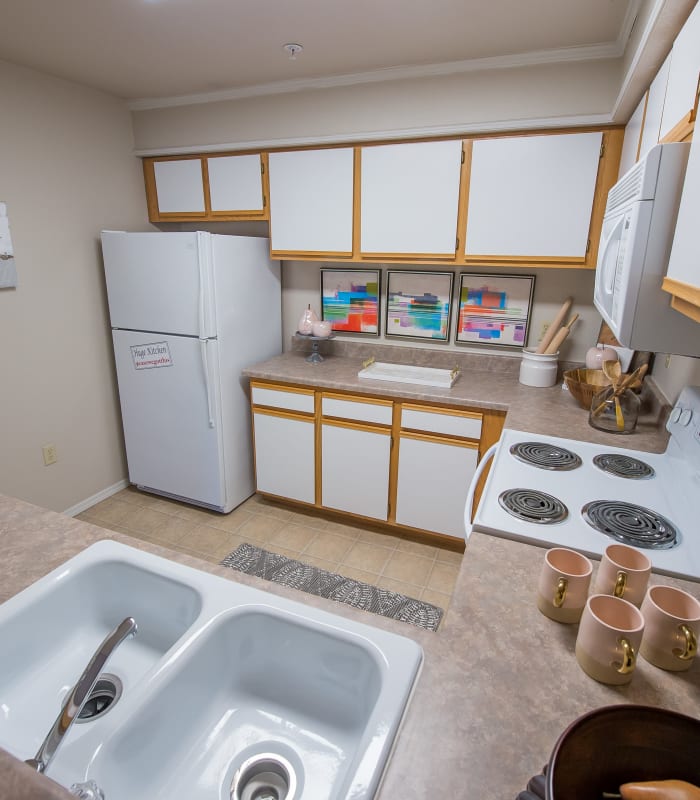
(50, 455)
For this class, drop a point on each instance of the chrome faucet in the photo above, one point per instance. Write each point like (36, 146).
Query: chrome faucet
(79, 694)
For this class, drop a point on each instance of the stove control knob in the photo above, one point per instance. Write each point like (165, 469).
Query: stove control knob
(685, 417)
(675, 414)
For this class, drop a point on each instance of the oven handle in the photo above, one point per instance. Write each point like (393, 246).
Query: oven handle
(488, 455)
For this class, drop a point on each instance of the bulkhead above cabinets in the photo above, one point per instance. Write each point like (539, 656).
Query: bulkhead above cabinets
(528, 199)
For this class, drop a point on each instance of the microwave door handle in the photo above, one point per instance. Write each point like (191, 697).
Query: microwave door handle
(488, 455)
(608, 276)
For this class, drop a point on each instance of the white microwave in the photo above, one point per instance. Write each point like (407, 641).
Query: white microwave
(635, 245)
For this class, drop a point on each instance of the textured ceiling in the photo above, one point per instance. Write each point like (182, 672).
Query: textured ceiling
(166, 48)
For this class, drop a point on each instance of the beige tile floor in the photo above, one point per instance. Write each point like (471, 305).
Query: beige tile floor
(419, 570)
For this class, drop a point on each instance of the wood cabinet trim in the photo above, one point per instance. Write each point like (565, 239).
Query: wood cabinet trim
(463, 208)
(608, 168)
(606, 177)
(155, 215)
(456, 412)
(270, 411)
(368, 427)
(686, 308)
(439, 438)
(282, 387)
(682, 131)
(685, 298)
(377, 401)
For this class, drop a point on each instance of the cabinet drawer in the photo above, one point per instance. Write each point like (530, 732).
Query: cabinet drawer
(379, 412)
(466, 425)
(299, 400)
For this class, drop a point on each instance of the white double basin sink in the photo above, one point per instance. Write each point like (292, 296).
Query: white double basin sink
(222, 687)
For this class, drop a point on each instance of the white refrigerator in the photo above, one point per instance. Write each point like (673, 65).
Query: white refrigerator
(188, 312)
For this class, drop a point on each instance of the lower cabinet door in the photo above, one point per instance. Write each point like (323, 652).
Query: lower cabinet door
(355, 469)
(284, 456)
(433, 479)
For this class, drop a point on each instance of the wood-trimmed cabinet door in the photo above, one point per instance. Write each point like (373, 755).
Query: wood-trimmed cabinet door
(531, 197)
(236, 186)
(311, 202)
(683, 275)
(355, 453)
(215, 187)
(409, 199)
(355, 468)
(433, 478)
(285, 454)
(284, 438)
(683, 79)
(175, 188)
(438, 451)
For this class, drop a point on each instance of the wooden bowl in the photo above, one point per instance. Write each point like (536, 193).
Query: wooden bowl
(584, 383)
(620, 744)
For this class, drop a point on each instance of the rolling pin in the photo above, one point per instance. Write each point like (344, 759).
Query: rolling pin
(560, 335)
(555, 326)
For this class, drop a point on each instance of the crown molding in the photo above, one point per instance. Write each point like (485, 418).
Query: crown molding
(606, 50)
(453, 131)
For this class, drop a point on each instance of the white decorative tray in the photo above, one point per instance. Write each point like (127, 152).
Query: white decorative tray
(407, 373)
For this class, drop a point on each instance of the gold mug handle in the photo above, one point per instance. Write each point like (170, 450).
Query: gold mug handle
(560, 593)
(620, 584)
(629, 658)
(689, 651)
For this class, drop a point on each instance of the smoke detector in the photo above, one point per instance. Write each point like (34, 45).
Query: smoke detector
(293, 50)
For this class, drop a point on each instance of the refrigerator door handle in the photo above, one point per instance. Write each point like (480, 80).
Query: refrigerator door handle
(207, 382)
(202, 266)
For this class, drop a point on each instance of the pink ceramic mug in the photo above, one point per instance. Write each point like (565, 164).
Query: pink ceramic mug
(672, 619)
(623, 572)
(608, 638)
(563, 584)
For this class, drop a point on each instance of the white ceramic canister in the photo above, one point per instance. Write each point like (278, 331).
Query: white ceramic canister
(539, 369)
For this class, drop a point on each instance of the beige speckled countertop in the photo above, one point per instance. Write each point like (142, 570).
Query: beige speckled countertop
(485, 381)
(499, 681)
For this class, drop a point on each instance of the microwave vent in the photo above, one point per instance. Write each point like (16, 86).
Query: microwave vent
(628, 187)
(638, 183)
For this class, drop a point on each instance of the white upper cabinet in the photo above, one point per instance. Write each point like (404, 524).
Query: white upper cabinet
(235, 183)
(410, 198)
(311, 201)
(683, 74)
(179, 186)
(655, 109)
(633, 135)
(532, 195)
(684, 265)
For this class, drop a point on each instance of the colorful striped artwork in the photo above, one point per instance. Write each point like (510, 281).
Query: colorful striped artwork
(350, 300)
(418, 304)
(494, 309)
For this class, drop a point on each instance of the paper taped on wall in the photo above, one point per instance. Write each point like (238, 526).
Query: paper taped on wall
(8, 271)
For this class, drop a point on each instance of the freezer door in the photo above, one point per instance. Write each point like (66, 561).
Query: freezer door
(171, 414)
(159, 282)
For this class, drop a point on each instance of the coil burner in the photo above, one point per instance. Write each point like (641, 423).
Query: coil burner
(623, 466)
(631, 524)
(532, 506)
(545, 456)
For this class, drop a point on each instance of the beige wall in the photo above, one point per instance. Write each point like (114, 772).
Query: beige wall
(504, 98)
(66, 172)
(301, 285)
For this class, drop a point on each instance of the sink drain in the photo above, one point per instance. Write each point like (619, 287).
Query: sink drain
(266, 776)
(106, 692)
